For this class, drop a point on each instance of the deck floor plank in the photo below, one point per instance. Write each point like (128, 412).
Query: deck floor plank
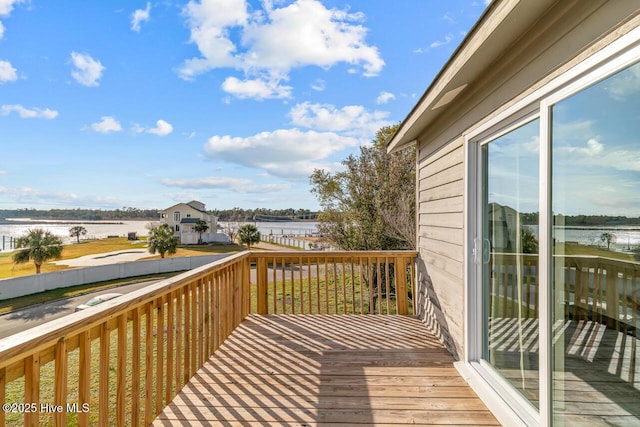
(309, 370)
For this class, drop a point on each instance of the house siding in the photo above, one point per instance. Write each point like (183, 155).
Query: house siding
(548, 49)
(440, 243)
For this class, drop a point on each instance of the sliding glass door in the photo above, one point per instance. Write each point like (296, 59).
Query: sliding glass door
(595, 230)
(510, 256)
(557, 252)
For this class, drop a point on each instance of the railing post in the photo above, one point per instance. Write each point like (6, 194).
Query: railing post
(262, 274)
(401, 285)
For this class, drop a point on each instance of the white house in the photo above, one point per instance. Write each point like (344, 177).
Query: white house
(533, 121)
(182, 218)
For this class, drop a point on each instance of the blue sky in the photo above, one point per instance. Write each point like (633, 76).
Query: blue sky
(105, 104)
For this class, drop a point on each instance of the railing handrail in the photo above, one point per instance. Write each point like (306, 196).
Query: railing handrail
(41, 337)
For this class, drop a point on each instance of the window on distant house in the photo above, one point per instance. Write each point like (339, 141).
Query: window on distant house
(176, 216)
(177, 227)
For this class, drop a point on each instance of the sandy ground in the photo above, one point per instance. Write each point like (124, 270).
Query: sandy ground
(105, 258)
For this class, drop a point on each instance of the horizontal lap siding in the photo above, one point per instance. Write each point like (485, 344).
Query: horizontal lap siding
(441, 241)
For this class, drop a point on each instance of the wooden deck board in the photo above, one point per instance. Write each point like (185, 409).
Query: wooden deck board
(309, 370)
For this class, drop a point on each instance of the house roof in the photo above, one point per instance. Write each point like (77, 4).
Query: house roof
(196, 207)
(499, 27)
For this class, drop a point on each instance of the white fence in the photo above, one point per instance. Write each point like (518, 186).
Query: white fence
(297, 243)
(27, 285)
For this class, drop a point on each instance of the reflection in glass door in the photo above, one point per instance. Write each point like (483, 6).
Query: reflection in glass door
(595, 282)
(510, 256)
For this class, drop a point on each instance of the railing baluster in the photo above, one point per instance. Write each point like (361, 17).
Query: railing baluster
(60, 382)
(3, 394)
(317, 284)
(301, 286)
(159, 354)
(170, 338)
(135, 367)
(179, 338)
(310, 293)
(370, 268)
(148, 380)
(121, 378)
(344, 288)
(84, 376)
(262, 288)
(194, 328)
(32, 387)
(103, 396)
(360, 280)
(274, 287)
(187, 334)
(293, 288)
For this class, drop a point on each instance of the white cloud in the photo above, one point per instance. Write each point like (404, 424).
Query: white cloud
(447, 39)
(237, 185)
(624, 84)
(274, 41)
(256, 88)
(447, 17)
(3, 172)
(25, 113)
(592, 149)
(319, 85)
(87, 70)
(6, 7)
(140, 15)
(288, 153)
(107, 124)
(7, 72)
(385, 97)
(162, 128)
(32, 196)
(352, 120)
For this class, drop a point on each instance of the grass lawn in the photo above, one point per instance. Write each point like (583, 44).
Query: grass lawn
(75, 250)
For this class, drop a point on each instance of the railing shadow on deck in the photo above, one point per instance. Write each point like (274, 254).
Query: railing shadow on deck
(123, 361)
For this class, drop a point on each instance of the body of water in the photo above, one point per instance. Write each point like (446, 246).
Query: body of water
(102, 229)
(95, 229)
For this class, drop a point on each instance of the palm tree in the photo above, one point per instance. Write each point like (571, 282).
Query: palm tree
(200, 227)
(38, 246)
(162, 240)
(76, 231)
(248, 234)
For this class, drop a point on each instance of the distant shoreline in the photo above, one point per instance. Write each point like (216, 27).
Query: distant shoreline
(26, 221)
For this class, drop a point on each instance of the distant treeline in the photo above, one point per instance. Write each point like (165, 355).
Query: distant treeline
(583, 220)
(129, 213)
(83, 214)
(263, 214)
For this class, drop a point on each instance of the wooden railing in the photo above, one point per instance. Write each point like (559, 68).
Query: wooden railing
(601, 289)
(120, 363)
(356, 282)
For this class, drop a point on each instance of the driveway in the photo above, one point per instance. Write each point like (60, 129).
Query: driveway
(105, 258)
(35, 315)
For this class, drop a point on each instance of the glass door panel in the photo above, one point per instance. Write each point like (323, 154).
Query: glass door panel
(595, 280)
(509, 174)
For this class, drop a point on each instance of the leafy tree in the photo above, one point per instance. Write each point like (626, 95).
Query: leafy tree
(38, 246)
(162, 240)
(76, 231)
(529, 241)
(248, 234)
(200, 227)
(607, 238)
(371, 204)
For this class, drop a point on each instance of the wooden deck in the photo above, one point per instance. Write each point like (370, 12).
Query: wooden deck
(307, 370)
